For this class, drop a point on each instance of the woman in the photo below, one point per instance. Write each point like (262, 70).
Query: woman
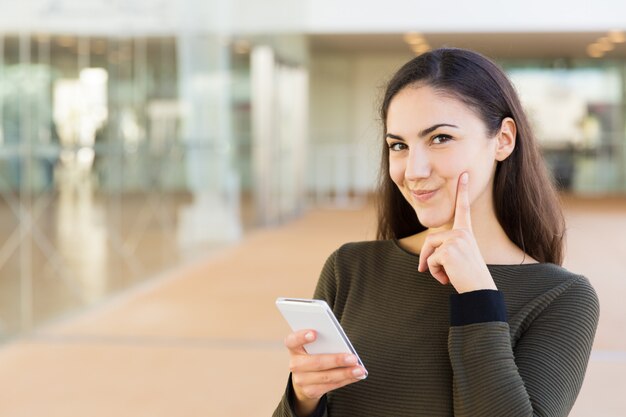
(461, 306)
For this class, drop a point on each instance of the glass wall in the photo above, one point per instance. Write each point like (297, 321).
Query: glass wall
(270, 118)
(90, 169)
(123, 156)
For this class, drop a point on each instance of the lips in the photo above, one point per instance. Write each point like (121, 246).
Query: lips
(423, 195)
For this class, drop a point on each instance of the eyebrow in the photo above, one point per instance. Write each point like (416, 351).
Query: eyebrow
(423, 132)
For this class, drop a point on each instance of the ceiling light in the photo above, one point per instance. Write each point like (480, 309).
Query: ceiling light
(605, 44)
(420, 49)
(414, 38)
(595, 51)
(617, 36)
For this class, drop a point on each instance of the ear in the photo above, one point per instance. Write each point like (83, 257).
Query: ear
(506, 139)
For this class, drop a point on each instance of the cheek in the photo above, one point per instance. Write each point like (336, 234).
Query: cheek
(396, 171)
(451, 168)
(479, 177)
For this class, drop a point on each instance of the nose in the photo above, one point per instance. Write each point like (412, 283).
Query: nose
(418, 165)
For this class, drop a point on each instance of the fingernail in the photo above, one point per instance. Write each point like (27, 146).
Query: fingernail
(309, 336)
(350, 360)
(464, 177)
(359, 374)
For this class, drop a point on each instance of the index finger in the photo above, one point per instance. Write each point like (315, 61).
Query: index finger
(462, 216)
(295, 341)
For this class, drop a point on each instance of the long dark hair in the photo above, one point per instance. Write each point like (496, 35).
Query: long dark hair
(525, 198)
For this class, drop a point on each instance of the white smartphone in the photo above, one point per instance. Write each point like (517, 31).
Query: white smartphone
(303, 313)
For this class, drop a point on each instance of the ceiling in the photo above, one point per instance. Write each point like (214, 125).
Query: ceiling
(495, 45)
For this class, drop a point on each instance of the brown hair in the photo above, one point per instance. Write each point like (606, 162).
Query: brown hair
(525, 198)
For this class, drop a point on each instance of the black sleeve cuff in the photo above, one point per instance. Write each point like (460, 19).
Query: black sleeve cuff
(480, 306)
(321, 406)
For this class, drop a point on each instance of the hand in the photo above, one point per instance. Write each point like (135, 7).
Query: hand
(315, 375)
(452, 256)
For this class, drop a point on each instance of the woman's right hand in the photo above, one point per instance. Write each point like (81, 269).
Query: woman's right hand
(312, 376)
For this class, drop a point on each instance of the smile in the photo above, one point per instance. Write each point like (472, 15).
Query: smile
(423, 195)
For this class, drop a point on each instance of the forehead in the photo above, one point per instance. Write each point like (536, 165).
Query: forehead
(423, 106)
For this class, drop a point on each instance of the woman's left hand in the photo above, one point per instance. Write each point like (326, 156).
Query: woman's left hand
(452, 256)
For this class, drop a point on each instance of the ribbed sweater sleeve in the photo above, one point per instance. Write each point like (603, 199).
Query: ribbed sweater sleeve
(542, 375)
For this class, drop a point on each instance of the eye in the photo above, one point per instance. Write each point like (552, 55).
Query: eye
(440, 139)
(397, 146)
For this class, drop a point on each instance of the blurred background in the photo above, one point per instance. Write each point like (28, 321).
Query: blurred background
(160, 161)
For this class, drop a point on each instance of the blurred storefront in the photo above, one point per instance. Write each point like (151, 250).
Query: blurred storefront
(577, 110)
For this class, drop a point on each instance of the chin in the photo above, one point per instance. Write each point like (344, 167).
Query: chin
(432, 222)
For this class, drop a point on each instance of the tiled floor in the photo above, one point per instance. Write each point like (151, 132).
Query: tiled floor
(205, 339)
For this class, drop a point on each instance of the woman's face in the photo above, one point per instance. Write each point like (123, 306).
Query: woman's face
(432, 140)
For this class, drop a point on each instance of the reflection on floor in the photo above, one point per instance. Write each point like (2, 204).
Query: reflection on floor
(68, 249)
(206, 339)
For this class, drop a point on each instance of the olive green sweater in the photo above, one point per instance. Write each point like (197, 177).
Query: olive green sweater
(432, 352)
